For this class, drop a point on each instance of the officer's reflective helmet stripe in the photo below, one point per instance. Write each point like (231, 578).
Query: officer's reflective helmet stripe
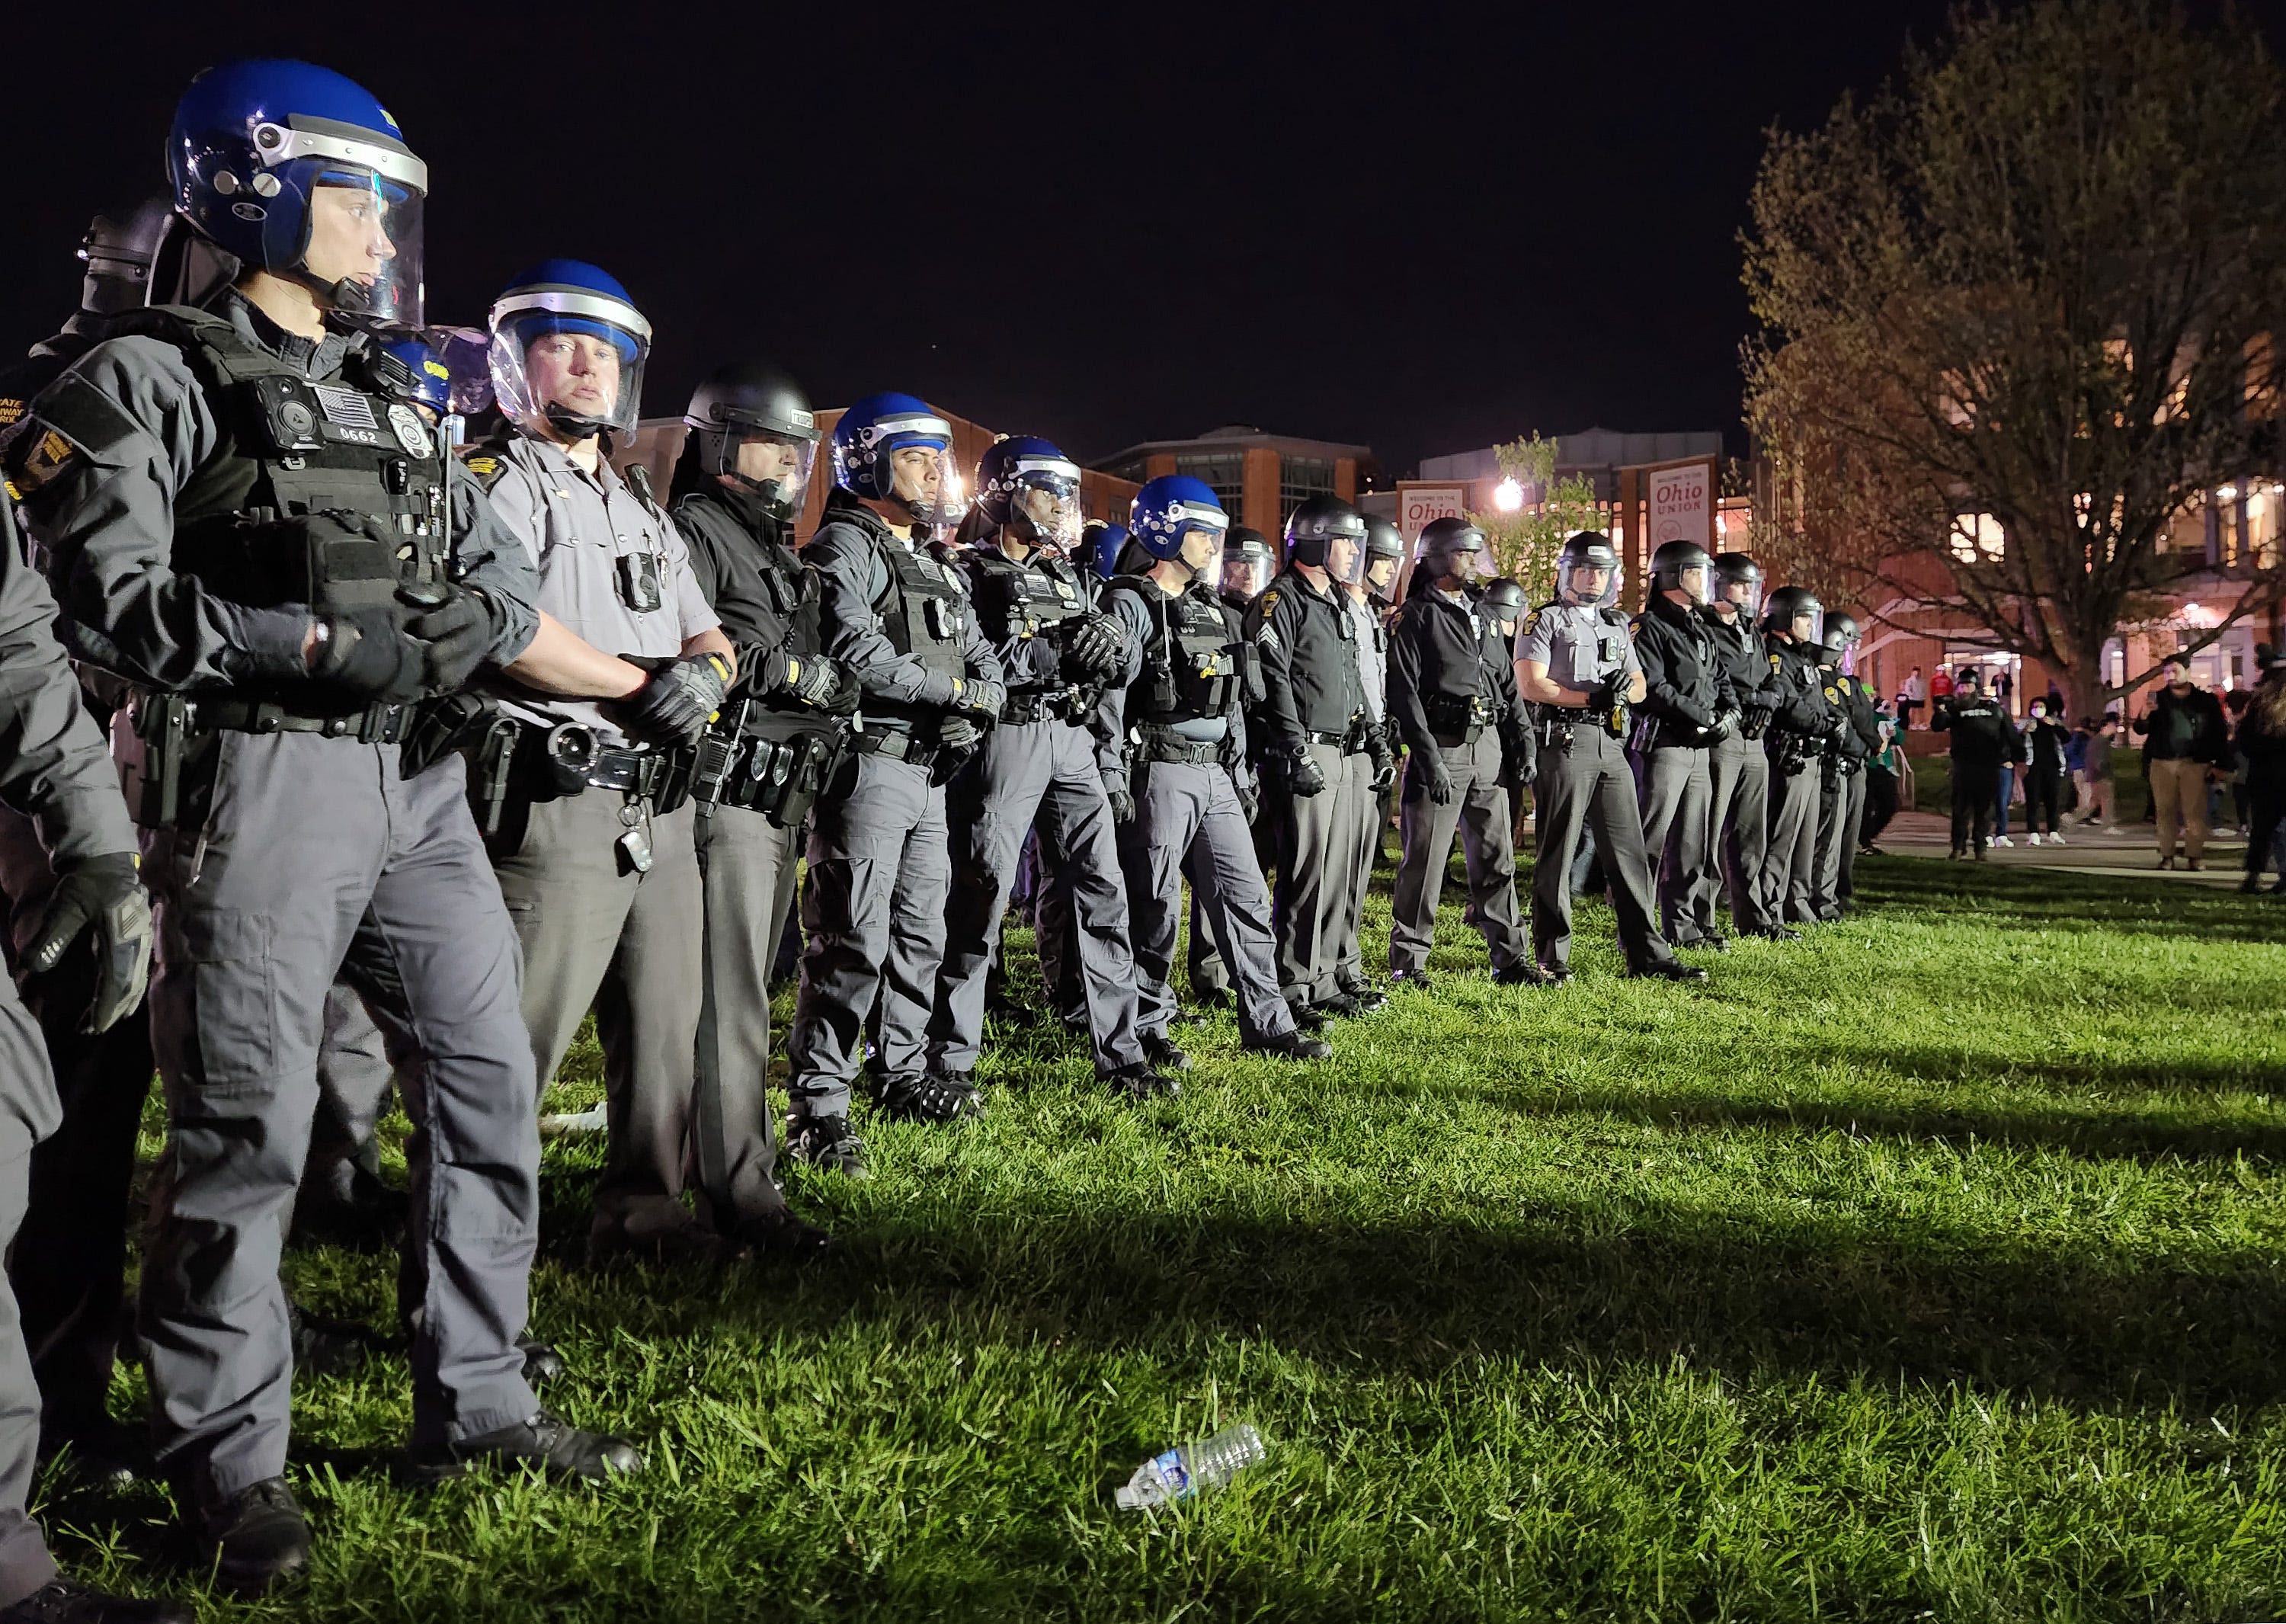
(1171, 506)
(754, 401)
(1583, 554)
(252, 145)
(568, 296)
(1673, 565)
(865, 444)
(1025, 482)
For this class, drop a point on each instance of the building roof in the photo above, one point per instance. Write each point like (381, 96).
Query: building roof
(1239, 436)
(1588, 448)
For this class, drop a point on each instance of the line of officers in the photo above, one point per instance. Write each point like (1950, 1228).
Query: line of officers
(419, 757)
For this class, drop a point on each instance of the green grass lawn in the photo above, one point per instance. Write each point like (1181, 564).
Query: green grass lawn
(1928, 1269)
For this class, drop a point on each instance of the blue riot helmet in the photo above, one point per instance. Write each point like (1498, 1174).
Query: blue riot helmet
(408, 368)
(1025, 484)
(1106, 546)
(894, 448)
(295, 170)
(1171, 510)
(568, 348)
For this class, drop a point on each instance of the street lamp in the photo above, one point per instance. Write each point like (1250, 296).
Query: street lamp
(1507, 496)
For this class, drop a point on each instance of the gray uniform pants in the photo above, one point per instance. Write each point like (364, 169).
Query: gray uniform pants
(1479, 811)
(1738, 822)
(1045, 771)
(1789, 867)
(1317, 853)
(1678, 786)
(748, 866)
(28, 1112)
(1591, 785)
(317, 853)
(1362, 809)
(1207, 974)
(596, 932)
(880, 881)
(353, 1083)
(1840, 815)
(1187, 821)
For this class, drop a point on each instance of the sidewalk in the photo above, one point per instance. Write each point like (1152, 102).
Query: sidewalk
(2125, 848)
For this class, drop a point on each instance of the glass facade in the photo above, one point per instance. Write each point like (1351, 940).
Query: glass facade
(1224, 471)
(1300, 478)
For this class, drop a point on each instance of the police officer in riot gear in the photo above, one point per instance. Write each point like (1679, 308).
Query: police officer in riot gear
(1369, 593)
(1687, 709)
(1453, 700)
(1983, 738)
(900, 621)
(738, 486)
(86, 951)
(1503, 604)
(1800, 724)
(1058, 655)
(1574, 659)
(1318, 746)
(238, 527)
(1248, 563)
(1738, 769)
(1841, 789)
(596, 848)
(1188, 777)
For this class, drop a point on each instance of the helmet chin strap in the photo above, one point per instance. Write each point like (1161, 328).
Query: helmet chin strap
(571, 424)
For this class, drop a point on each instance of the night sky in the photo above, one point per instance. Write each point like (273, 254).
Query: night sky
(1420, 229)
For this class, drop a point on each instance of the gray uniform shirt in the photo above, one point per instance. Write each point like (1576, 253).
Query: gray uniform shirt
(1372, 659)
(853, 577)
(53, 766)
(1581, 647)
(576, 527)
(105, 518)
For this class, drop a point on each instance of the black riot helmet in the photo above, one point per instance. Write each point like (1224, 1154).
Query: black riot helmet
(1384, 552)
(1450, 546)
(1839, 634)
(1249, 560)
(1316, 525)
(1585, 553)
(754, 401)
(1736, 570)
(1684, 567)
(1503, 601)
(120, 251)
(1790, 604)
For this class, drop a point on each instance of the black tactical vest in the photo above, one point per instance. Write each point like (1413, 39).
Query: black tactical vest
(924, 608)
(1194, 665)
(321, 494)
(1015, 600)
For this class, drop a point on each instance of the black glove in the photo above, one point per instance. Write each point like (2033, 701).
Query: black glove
(981, 697)
(97, 901)
(682, 697)
(1724, 725)
(1436, 779)
(815, 682)
(1304, 776)
(1515, 758)
(958, 733)
(1122, 798)
(370, 653)
(1384, 764)
(1096, 642)
(455, 632)
(1250, 799)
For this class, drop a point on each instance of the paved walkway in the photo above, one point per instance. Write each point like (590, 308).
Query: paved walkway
(2132, 848)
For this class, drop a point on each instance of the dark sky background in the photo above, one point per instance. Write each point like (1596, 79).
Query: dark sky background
(1423, 230)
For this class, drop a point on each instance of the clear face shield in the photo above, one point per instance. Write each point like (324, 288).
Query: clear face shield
(1246, 574)
(1380, 574)
(926, 481)
(1745, 597)
(775, 467)
(1201, 547)
(1810, 624)
(1695, 582)
(569, 358)
(1045, 504)
(358, 243)
(1589, 583)
(1345, 559)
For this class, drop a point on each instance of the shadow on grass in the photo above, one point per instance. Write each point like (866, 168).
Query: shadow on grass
(2048, 899)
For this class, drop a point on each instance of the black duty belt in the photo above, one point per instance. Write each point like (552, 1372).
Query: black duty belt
(1022, 709)
(375, 724)
(1557, 713)
(1350, 741)
(633, 772)
(899, 746)
(1174, 747)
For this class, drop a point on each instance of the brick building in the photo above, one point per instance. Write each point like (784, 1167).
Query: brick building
(1260, 478)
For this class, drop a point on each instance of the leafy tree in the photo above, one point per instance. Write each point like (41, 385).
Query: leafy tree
(2033, 279)
(1524, 541)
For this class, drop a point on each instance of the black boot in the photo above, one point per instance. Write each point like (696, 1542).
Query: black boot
(553, 1445)
(255, 1538)
(780, 1234)
(1139, 1082)
(929, 1097)
(829, 1142)
(60, 1600)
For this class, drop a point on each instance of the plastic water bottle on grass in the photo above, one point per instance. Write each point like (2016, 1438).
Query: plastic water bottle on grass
(1180, 1473)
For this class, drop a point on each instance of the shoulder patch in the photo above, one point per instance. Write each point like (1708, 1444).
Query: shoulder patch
(1832, 696)
(1777, 664)
(1269, 600)
(1635, 626)
(39, 459)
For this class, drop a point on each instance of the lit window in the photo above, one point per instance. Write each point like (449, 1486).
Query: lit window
(1977, 537)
